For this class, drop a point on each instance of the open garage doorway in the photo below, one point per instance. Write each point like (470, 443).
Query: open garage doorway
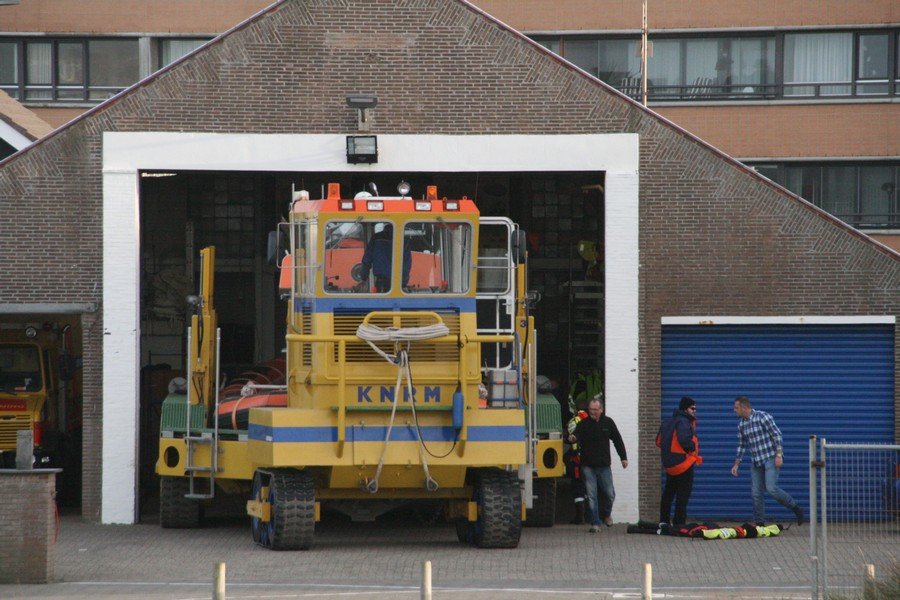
(184, 211)
(41, 393)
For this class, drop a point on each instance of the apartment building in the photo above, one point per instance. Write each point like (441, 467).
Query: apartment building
(806, 92)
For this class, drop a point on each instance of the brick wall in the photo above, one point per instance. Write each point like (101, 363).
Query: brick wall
(127, 16)
(28, 526)
(714, 238)
(793, 131)
(599, 15)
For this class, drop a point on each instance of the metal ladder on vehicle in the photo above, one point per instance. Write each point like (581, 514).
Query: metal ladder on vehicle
(204, 438)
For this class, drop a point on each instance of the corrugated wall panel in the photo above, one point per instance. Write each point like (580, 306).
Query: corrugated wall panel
(835, 381)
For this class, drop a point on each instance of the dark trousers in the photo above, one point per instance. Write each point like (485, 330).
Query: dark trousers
(678, 487)
(382, 284)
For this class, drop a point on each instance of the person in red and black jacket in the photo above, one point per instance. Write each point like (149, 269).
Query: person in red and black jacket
(680, 452)
(593, 435)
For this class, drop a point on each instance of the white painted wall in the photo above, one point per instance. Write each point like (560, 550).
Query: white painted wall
(621, 268)
(125, 154)
(121, 346)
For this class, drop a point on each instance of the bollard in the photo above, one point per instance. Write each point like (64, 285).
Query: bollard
(869, 582)
(426, 580)
(647, 591)
(219, 585)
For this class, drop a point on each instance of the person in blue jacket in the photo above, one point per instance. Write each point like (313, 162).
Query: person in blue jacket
(378, 258)
(679, 452)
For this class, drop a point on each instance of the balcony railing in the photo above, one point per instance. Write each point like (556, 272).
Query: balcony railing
(871, 221)
(705, 88)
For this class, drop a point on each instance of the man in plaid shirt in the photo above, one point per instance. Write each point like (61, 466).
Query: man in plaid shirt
(758, 432)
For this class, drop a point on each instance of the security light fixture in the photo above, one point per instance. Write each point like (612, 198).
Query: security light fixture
(362, 149)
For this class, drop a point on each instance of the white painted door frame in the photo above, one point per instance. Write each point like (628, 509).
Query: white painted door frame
(126, 154)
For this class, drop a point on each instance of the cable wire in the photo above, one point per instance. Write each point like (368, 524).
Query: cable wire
(399, 335)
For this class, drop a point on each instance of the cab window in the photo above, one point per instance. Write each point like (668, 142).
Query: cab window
(358, 257)
(437, 257)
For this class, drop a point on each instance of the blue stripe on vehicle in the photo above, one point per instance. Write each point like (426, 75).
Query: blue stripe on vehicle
(265, 433)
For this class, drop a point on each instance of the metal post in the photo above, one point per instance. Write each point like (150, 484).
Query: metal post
(644, 51)
(214, 446)
(219, 582)
(813, 511)
(647, 589)
(824, 494)
(190, 383)
(426, 580)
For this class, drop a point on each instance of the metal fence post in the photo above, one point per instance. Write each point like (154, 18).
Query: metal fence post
(824, 557)
(813, 550)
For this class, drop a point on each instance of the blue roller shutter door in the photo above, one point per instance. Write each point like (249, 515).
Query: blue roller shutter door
(835, 381)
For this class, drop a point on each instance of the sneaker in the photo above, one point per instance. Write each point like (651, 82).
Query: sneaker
(799, 512)
(608, 521)
(594, 529)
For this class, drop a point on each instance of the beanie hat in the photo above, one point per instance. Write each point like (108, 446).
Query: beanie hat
(686, 403)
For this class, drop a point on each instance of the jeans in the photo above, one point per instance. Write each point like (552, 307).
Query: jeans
(599, 479)
(764, 478)
(678, 487)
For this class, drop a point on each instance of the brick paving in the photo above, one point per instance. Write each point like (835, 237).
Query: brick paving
(384, 560)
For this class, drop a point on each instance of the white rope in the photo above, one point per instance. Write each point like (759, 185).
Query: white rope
(374, 333)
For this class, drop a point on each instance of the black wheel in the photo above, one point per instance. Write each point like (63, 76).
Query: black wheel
(176, 511)
(293, 498)
(499, 510)
(543, 509)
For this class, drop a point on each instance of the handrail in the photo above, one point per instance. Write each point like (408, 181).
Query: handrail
(342, 399)
(404, 314)
(444, 339)
(765, 91)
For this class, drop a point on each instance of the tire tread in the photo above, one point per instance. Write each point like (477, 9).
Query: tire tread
(176, 511)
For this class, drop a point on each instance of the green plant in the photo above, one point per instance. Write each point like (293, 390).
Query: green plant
(587, 386)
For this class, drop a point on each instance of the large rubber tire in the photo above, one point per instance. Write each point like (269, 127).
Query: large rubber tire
(499, 510)
(176, 511)
(293, 498)
(543, 510)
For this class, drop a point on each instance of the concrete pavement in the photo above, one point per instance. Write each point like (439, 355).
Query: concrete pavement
(384, 560)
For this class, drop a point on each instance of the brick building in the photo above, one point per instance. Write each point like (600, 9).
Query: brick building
(106, 206)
